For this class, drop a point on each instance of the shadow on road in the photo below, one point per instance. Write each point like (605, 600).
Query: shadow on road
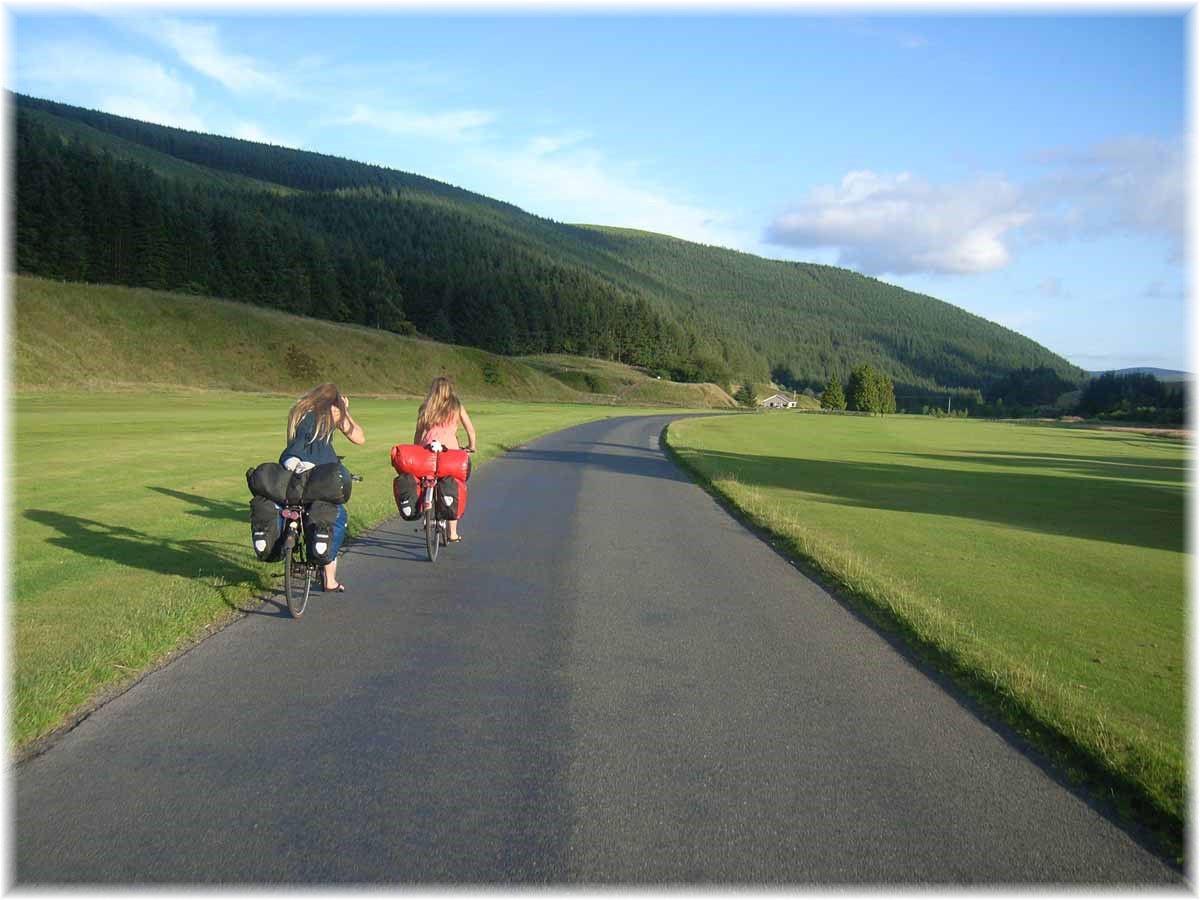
(407, 545)
(637, 461)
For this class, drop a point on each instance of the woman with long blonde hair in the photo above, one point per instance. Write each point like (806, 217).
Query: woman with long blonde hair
(311, 424)
(438, 421)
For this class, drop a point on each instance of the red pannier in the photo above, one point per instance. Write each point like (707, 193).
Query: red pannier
(415, 460)
(454, 464)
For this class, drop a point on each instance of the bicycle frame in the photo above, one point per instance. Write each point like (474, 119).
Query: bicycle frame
(298, 572)
(435, 525)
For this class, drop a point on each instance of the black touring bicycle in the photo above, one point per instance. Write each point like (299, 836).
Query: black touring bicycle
(292, 518)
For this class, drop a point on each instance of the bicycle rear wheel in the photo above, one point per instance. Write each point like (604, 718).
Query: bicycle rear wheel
(297, 577)
(433, 534)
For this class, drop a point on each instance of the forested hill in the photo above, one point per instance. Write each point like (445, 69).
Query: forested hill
(107, 199)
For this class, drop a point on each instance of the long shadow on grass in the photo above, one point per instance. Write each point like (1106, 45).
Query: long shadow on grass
(207, 508)
(1101, 509)
(129, 547)
(1124, 467)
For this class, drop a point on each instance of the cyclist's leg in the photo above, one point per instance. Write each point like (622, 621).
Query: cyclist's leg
(329, 572)
(453, 523)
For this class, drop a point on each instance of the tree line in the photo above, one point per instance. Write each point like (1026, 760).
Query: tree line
(362, 256)
(1038, 392)
(867, 390)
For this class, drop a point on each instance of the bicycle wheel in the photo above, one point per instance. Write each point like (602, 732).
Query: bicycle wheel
(297, 577)
(432, 534)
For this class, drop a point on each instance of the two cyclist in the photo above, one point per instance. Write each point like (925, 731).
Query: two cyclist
(319, 414)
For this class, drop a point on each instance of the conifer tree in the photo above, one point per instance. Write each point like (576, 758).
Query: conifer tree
(832, 397)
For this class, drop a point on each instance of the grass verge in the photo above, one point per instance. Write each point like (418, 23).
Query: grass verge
(1043, 570)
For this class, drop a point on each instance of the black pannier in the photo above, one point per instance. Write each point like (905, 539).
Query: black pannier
(407, 492)
(269, 479)
(320, 518)
(329, 483)
(450, 495)
(266, 529)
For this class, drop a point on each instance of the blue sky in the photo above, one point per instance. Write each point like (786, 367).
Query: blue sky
(1028, 167)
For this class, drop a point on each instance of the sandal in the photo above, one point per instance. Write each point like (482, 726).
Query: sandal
(454, 540)
(339, 589)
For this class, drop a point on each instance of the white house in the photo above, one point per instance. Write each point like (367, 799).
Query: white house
(778, 401)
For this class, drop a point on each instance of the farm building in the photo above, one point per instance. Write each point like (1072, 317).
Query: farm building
(778, 401)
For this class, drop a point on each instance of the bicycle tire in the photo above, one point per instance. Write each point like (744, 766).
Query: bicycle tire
(432, 530)
(297, 578)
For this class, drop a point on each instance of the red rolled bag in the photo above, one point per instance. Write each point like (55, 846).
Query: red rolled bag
(415, 460)
(454, 464)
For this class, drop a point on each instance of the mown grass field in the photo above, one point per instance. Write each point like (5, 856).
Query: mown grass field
(1047, 565)
(131, 532)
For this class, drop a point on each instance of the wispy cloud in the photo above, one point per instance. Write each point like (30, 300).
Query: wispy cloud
(544, 145)
(1134, 184)
(564, 178)
(198, 45)
(91, 75)
(904, 38)
(250, 131)
(452, 126)
(1053, 289)
(1019, 318)
(1159, 291)
(902, 224)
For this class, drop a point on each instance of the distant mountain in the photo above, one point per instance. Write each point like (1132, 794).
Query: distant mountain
(108, 199)
(1160, 374)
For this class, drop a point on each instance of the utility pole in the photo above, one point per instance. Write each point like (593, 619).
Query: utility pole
(947, 406)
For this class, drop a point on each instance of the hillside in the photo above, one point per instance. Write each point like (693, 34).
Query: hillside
(101, 337)
(106, 199)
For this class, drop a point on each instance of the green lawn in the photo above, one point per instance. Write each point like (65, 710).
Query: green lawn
(132, 531)
(1047, 563)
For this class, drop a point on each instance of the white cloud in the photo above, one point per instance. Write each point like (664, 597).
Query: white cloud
(198, 45)
(453, 126)
(901, 223)
(87, 74)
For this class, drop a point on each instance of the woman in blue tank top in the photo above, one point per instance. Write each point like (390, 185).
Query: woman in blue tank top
(311, 424)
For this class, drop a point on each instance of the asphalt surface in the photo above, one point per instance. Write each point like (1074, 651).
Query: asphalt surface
(609, 681)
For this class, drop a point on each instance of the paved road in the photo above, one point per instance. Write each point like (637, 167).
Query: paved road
(609, 680)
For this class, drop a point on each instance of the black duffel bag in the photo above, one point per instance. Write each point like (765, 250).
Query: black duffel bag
(328, 483)
(269, 479)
